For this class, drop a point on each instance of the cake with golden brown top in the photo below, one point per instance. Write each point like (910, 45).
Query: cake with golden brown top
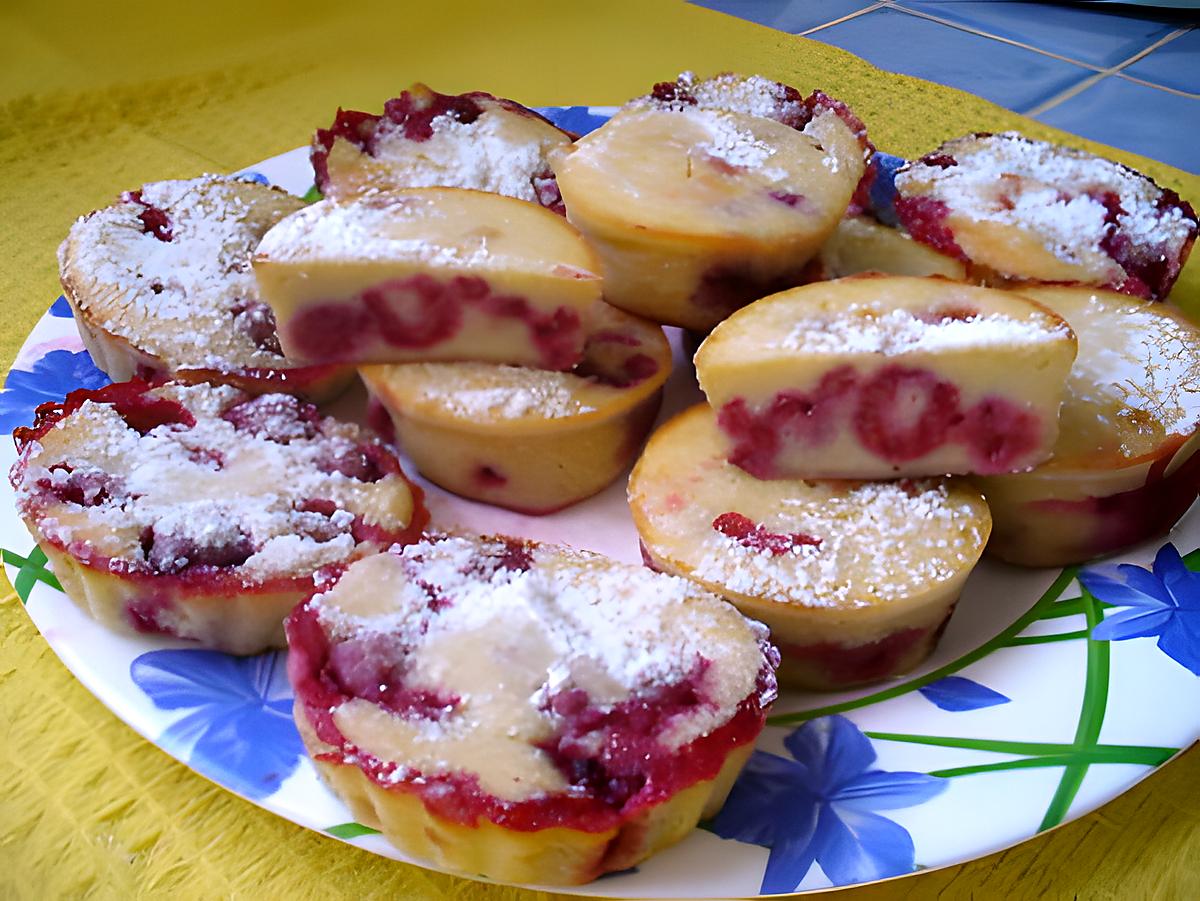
(863, 244)
(856, 580)
(1124, 467)
(1014, 209)
(429, 274)
(525, 712)
(426, 139)
(696, 211)
(160, 285)
(882, 376)
(200, 511)
(527, 439)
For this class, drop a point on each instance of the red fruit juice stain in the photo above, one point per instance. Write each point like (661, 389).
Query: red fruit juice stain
(787, 199)
(155, 221)
(490, 477)
(755, 536)
(415, 110)
(350, 125)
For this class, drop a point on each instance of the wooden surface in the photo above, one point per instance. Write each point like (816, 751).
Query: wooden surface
(98, 99)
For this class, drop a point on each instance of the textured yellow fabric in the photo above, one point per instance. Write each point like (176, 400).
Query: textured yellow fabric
(96, 98)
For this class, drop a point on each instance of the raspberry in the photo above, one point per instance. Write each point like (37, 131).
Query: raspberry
(807, 418)
(419, 311)
(277, 417)
(172, 552)
(925, 219)
(490, 477)
(87, 488)
(257, 320)
(350, 125)
(414, 110)
(998, 435)
(362, 462)
(328, 332)
(904, 413)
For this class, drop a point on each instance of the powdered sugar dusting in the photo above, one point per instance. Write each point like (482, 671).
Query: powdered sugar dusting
(177, 299)
(861, 560)
(474, 390)
(379, 226)
(486, 154)
(735, 146)
(753, 95)
(879, 330)
(868, 544)
(210, 493)
(1056, 192)
(610, 629)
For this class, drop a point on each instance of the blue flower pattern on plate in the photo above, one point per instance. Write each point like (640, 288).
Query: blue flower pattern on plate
(256, 177)
(958, 693)
(239, 731)
(60, 309)
(882, 193)
(819, 806)
(50, 379)
(1164, 601)
(578, 119)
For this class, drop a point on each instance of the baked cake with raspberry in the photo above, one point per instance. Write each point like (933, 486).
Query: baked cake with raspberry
(424, 139)
(695, 212)
(527, 439)
(855, 579)
(429, 274)
(882, 376)
(862, 244)
(525, 712)
(201, 511)
(1125, 467)
(160, 285)
(1020, 210)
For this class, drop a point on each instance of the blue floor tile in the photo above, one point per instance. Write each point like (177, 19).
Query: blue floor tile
(1109, 110)
(793, 16)
(1010, 76)
(1099, 36)
(1175, 64)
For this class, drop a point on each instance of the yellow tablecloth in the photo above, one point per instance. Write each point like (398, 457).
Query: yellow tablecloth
(98, 98)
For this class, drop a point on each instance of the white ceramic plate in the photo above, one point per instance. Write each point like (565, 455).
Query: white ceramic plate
(1020, 721)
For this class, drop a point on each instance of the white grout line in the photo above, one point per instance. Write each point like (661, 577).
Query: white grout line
(1161, 87)
(995, 37)
(845, 18)
(1082, 86)
(1034, 111)
(1078, 88)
